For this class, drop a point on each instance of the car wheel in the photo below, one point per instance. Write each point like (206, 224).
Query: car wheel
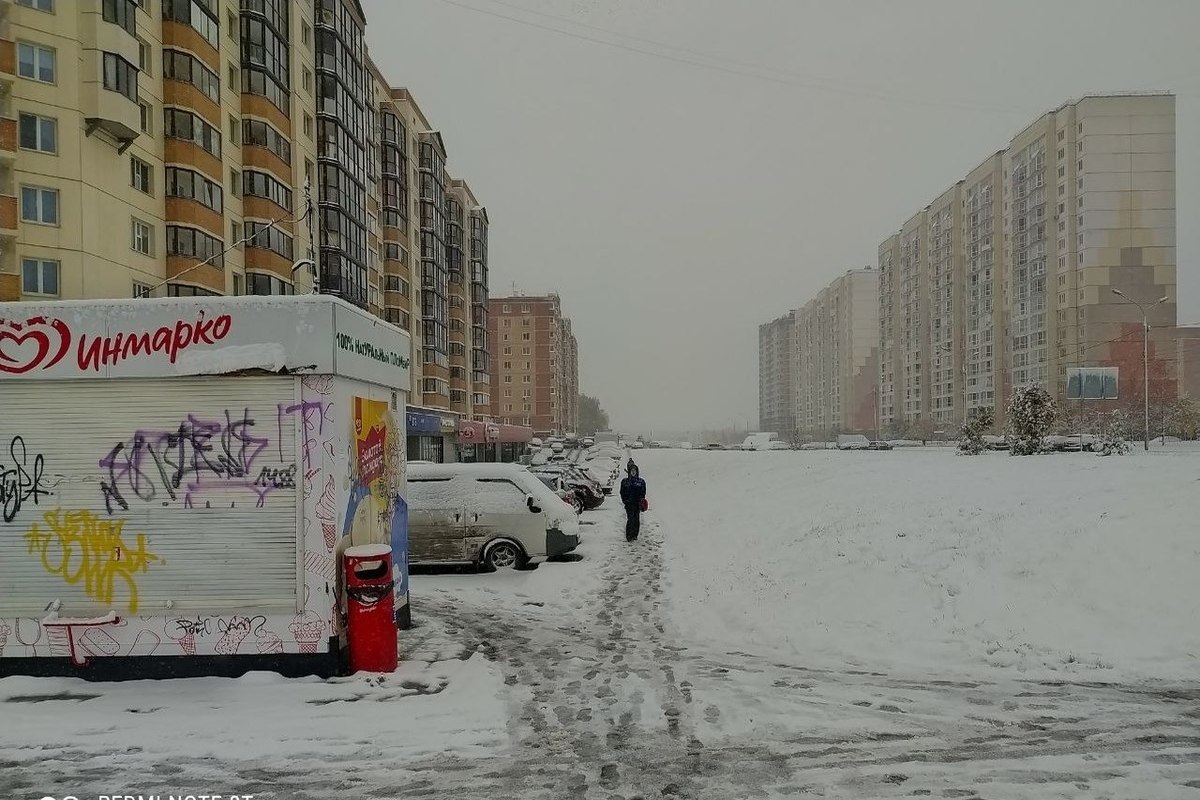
(503, 555)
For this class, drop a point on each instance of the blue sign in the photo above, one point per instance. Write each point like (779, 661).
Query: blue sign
(419, 422)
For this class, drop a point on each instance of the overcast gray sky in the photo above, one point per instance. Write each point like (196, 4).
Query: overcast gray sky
(676, 197)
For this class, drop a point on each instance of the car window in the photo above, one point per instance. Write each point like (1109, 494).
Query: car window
(428, 493)
(498, 495)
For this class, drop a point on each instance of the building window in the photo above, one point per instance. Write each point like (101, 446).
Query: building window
(122, 13)
(39, 276)
(142, 237)
(308, 126)
(305, 34)
(189, 185)
(235, 80)
(120, 76)
(261, 283)
(39, 5)
(39, 205)
(267, 237)
(39, 133)
(146, 115)
(306, 79)
(141, 290)
(258, 133)
(196, 14)
(261, 184)
(141, 175)
(193, 243)
(235, 131)
(143, 56)
(183, 290)
(238, 287)
(231, 26)
(35, 62)
(186, 68)
(235, 233)
(235, 182)
(179, 123)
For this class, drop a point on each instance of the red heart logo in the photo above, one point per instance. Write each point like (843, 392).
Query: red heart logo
(33, 342)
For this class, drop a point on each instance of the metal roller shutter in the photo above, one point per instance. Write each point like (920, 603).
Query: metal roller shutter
(144, 496)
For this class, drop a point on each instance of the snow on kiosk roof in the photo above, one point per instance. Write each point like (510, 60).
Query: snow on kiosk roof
(164, 337)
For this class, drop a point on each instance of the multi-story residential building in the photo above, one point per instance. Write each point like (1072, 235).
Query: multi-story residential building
(535, 370)
(835, 357)
(175, 124)
(1010, 277)
(247, 148)
(776, 402)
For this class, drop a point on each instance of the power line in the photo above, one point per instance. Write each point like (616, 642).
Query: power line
(785, 79)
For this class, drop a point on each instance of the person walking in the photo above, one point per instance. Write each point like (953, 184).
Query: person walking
(633, 497)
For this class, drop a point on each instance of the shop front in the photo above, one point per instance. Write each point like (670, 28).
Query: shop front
(432, 435)
(509, 441)
(472, 442)
(186, 473)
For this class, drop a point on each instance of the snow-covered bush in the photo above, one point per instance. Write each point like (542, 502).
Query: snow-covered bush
(1031, 412)
(1113, 435)
(970, 440)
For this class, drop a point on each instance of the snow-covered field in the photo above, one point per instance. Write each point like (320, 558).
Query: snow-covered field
(851, 625)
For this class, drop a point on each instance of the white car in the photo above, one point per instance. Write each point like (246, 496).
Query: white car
(638, 445)
(557, 447)
(489, 515)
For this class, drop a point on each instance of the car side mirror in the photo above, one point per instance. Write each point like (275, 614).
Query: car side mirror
(532, 503)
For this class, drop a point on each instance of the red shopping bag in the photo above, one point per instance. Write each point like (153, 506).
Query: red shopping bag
(645, 504)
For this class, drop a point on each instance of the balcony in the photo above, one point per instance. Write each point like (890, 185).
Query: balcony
(8, 215)
(8, 54)
(8, 138)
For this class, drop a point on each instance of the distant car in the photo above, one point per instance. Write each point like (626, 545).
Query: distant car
(557, 447)
(714, 446)
(638, 445)
(879, 446)
(685, 445)
(589, 441)
(996, 442)
(852, 441)
(535, 442)
(778, 445)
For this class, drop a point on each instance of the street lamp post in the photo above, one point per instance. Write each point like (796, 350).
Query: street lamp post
(1145, 361)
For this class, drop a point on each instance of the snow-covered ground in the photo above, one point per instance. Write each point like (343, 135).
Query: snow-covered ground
(853, 625)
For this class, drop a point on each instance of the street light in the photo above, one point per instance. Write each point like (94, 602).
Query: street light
(1145, 361)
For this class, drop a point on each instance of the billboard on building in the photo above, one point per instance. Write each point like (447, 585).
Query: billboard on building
(1092, 383)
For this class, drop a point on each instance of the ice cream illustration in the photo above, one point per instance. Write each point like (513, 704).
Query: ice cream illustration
(269, 642)
(307, 630)
(327, 513)
(232, 638)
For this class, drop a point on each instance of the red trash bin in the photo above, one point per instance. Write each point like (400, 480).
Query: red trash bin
(370, 619)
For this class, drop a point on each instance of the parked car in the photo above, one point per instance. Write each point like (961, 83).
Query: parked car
(489, 515)
(852, 441)
(996, 442)
(1073, 443)
(588, 441)
(638, 445)
(556, 484)
(879, 445)
(557, 448)
(714, 446)
(589, 491)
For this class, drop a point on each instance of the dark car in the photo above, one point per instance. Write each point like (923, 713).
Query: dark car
(879, 445)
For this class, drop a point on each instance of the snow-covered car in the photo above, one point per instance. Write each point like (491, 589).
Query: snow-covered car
(588, 441)
(996, 442)
(638, 445)
(489, 515)
(1073, 443)
(557, 448)
(852, 441)
(556, 484)
(879, 445)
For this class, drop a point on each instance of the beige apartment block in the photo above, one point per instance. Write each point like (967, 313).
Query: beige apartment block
(1007, 279)
(198, 130)
(836, 357)
(138, 147)
(776, 352)
(535, 371)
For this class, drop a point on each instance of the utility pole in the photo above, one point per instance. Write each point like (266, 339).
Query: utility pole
(1145, 361)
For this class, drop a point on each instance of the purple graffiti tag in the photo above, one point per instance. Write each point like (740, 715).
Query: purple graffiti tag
(197, 456)
(313, 415)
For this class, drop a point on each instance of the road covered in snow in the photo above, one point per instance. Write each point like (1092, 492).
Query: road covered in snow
(858, 625)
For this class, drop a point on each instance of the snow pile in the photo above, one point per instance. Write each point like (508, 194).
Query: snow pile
(1045, 564)
(235, 358)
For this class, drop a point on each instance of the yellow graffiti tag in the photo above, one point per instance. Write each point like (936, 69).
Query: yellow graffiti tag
(79, 546)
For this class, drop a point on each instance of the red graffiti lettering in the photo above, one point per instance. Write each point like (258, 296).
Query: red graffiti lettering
(136, 344)
(111, 350)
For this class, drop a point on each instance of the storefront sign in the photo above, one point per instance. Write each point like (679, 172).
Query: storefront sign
(449, 425)
(471, 432)
(148, 338)
(421, 422)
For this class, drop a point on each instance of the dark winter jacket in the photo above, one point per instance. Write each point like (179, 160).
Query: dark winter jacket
(633, 491)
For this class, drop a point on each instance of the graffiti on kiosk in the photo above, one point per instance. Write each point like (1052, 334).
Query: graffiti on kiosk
(41, 343)
(232, 631)
(183, 463)
(21, 478)
(80, 547)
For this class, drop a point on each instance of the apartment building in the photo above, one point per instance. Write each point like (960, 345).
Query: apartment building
(776, 406)
(1009, 278)
(535, 374)
(203, 128)
(835, 357)
(176, 128)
